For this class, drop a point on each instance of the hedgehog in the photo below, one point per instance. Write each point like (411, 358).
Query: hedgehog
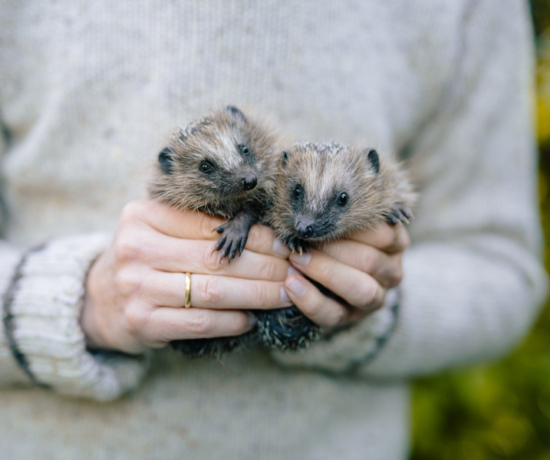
(224, 164)
(325, 192)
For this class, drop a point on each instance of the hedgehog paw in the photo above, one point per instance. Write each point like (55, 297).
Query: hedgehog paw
(234, 234)
(399, 213)
(230, 245)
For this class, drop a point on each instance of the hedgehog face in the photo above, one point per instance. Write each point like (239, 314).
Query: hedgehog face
(322, 191)
(220, 158)
(317, 215)
(217, 171)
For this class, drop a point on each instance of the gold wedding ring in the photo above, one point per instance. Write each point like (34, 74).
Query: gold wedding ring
(187, 290)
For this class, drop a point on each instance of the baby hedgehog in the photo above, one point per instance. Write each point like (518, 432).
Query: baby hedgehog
(224, 164)
(325, 192)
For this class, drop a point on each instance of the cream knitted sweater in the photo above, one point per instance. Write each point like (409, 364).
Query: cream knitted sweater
(88, 93)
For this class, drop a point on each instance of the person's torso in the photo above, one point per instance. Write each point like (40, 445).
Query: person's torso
(89, 92)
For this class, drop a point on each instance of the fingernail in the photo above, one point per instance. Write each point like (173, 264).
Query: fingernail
(292, 271)
(284, 295)
(252, 320)
(280, 248)
(301, 259)
(296, 287)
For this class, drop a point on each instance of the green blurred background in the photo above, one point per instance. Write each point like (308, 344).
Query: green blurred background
(501, 411)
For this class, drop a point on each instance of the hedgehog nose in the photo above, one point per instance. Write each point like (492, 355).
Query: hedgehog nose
(249, 181)
(304, 229)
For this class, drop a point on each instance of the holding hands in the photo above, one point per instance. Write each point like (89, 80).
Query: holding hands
(359, 270)
(135, 290)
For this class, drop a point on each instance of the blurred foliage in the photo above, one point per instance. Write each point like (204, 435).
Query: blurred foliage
(501, 411)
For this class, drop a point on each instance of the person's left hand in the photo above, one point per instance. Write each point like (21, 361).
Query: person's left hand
(359, 269)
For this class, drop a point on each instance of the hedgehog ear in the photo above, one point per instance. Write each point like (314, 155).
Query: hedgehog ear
(166, 160)
(286, 155)
(374, 160)
(235, 112)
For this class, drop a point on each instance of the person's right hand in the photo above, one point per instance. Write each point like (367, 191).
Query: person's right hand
(135, 290)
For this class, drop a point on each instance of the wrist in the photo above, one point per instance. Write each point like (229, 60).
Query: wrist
(91, 321)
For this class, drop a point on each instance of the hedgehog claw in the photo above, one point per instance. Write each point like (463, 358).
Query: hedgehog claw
(234, 236)
(295, 245)
(234, 250)
(241, 246)
(399, 213)
(290, 244)
(219, 229)
(226, 250)
(219, 244)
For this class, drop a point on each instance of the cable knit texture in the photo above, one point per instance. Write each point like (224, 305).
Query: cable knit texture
(89, 92)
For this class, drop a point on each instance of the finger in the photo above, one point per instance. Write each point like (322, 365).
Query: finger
(388, 238)
(172, 222)
(262, 239)
(214, 292)
(384, 268)
(196, 256)
(320, 309)
(187, 224)
(166, 324)
(355, 287)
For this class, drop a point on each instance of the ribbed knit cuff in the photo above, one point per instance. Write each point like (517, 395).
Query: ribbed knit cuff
(350, 349)
(45, 336)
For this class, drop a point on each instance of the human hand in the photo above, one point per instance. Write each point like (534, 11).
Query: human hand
(135, 290)
(359, 269)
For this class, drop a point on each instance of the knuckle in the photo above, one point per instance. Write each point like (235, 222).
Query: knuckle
(336, 317)
(387, 237)
(405, 238)
(127, 247)
(396, 276)
(238, 324)
(393, 238)
(136, 319)
(209, 291)
(368, 262)
(313, 309)
(326, 273)
(367, 293)
(200, 322)
(210, 260)
(260, 294)
(132, 210)
(128, 283)
(269, 268)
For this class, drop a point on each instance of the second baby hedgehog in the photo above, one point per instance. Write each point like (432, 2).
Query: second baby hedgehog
(325, 192)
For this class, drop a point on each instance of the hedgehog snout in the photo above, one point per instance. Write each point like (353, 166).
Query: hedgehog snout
(249, 181)
(304, 228)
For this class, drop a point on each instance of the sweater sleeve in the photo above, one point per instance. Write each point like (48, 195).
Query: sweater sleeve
(41, 343)
(473, 279)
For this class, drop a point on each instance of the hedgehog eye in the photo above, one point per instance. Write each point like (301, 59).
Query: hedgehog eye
(342, 199)
(243, 149)
(206, 167)
(298, 192)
